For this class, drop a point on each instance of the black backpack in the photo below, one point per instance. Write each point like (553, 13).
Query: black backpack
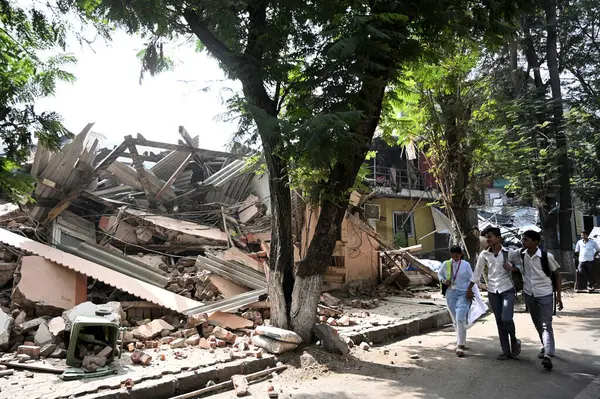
(545, 267)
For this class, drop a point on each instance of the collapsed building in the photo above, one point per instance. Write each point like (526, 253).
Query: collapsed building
(159, 246)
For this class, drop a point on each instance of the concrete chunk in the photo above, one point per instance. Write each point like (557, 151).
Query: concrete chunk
(93, 363)
(193, 340)
(152, 329)
(29, 325)
(43, 336)
(47, 350)
(178, 343)
(5, 324)
(332, 342)
(240, 385)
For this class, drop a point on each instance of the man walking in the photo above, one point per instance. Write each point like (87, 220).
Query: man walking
(540, 279)
(501, 290)
(587, 250)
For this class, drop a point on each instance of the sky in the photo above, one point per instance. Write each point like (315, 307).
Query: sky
(107, 91)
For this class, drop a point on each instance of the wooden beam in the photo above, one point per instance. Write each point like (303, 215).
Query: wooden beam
(84, 183)
(174, 176)
(138, 164)
(140, 140)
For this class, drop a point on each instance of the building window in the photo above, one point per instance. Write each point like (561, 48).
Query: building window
(403, 223)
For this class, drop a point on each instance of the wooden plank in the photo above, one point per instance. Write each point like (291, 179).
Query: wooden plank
(416, 263)
(140, 140)
(413, 248)
(125, 175)
(40, 160)
(84, 183)
(139, 167)
(173, 177)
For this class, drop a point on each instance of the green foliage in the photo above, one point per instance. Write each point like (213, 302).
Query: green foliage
(314, 60)
(442, 108)
(24, 77)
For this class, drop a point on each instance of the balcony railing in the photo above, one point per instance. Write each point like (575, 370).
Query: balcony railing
(397, 179)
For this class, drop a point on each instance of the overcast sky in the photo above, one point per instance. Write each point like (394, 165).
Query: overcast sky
(107, 92)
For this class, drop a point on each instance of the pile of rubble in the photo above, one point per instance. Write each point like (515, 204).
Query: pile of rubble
(142, 251)
(149, 255)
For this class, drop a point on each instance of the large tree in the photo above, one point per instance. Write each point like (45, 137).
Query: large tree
(26, 75)
(442, 107)
(314, 75)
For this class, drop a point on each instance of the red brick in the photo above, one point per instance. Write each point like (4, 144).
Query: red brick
(139, 357)
(30, 350)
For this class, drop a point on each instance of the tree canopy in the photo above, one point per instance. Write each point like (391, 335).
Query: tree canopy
(26, 74)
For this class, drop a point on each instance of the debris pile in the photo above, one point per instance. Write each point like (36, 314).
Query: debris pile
(132, 251)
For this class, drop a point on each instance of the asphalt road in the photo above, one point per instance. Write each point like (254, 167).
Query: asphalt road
(389, 372)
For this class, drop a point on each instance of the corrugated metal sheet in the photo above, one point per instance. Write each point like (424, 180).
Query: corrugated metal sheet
(230, 304)
(165, 168)
(115, 279)
(117, 262)
(234, 271)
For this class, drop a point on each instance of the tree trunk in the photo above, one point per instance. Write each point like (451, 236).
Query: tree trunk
(564, 217)
(281, 257)
(549, 222)
(310, 270)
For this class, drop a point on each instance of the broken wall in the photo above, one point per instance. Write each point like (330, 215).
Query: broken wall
(355, 256)
(47, 288)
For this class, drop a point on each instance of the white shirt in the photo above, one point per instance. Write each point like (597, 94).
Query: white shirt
(463, 272)
(535, 281)
(587, 250)
(499, 279)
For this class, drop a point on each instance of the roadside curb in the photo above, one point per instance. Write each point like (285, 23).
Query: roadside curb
(401, 329)
(171, 385)
(592, 391)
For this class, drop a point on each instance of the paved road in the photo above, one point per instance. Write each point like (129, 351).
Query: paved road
(389, 372)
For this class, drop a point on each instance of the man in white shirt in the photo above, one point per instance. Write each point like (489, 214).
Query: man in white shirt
(587, 250)
(501, 291)
(540, 279)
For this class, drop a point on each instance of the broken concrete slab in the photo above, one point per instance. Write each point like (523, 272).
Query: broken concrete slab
(47, 350)
(228, 320)
(272, 345)
(152, 329)
(122, 230)
(29, 325)
(48, 288)
(59, 353)
(332, 342)
(43, 336)
(6, 323)
(180, 231)
(279, 334)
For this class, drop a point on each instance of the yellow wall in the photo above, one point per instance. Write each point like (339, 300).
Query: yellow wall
(423, 220)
